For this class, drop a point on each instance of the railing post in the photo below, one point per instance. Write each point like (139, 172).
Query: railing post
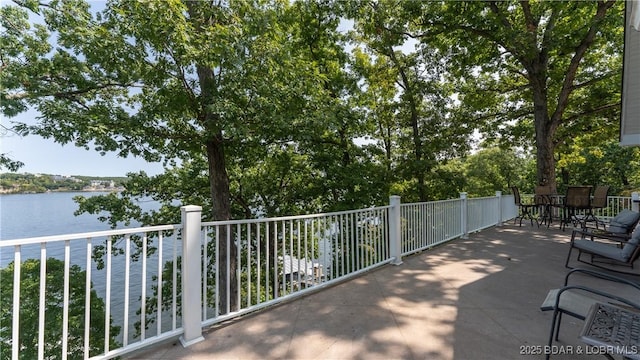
(499, 196)
(191, 276)
(635, 201)
(395, 247)
(463, 215)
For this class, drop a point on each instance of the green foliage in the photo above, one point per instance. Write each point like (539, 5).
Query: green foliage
(260, 105)
(29, 312)
(494, 169)
(530, 73)
(594, 163)
(10, 164)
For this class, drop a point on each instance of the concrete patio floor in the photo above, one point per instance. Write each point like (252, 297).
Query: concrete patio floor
(475, 298)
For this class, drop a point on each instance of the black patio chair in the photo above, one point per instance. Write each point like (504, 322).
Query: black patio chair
(544, 199)
(577, 199)
(599, 201)
(524, 210)
(617, 246)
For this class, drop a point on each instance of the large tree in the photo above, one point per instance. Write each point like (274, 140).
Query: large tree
(541, 70)
(406, 95)
(184, 82)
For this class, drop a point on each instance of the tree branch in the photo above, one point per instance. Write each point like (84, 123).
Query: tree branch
(593, 111)
(572, 70)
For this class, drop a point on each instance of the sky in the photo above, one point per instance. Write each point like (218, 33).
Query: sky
(44, 156)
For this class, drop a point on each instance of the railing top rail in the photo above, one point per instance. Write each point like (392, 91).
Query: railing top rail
(429, 202)
(294, 217)
(482, 198)
(87, 235)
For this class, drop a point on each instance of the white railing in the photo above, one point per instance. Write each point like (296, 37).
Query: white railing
(163, 282)
(278, 258)
(70, 306)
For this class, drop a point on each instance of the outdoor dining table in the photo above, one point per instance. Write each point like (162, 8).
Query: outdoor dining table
(612, 329)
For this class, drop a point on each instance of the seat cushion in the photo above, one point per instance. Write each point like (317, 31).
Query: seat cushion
(606, 250)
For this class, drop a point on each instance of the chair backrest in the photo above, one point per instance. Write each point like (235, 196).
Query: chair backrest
(516, 195)
(543, 194)
(578, 197)
(600, 196)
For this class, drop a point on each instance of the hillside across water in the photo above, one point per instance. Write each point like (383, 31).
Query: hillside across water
(25, 183)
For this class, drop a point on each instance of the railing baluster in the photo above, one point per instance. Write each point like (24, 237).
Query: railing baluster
(298, 253)
(313, 237)
(248, 265)
(205, 269)
(65, 301)
(15, 336)
(238, 265)
(107, 319)
(41, 307)
(283, 288)
(217, 262)
(174, 290)
(143, 299)
(275, 288)
(127, 260)
(159, 284)
(87, 303)
(258, 265)
(290, 252)
(227, 281)
(267, 283)
(343, 230)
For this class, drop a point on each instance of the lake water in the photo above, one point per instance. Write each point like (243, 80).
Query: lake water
(31, 215)
(34, 215)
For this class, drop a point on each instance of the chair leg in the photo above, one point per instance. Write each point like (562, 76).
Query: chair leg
(559, 320)
(566, 263)
(553, 330)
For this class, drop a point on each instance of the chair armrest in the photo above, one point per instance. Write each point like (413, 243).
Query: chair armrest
(602, 234)
(569, 289)
(601, 275)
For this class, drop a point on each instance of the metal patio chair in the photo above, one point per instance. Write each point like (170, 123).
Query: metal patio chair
(577, 199)
(618, 246)
(544, 199)
(524, 210)
(576, 299)
(599, 201)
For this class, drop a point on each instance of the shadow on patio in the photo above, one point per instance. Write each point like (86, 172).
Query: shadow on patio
(475, 298)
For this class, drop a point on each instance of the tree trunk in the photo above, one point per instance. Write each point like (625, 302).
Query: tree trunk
(218, 178)
(221, 210)
(546, 164)
(418, 169)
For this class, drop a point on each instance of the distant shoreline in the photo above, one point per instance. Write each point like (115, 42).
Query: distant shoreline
(9, 192)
